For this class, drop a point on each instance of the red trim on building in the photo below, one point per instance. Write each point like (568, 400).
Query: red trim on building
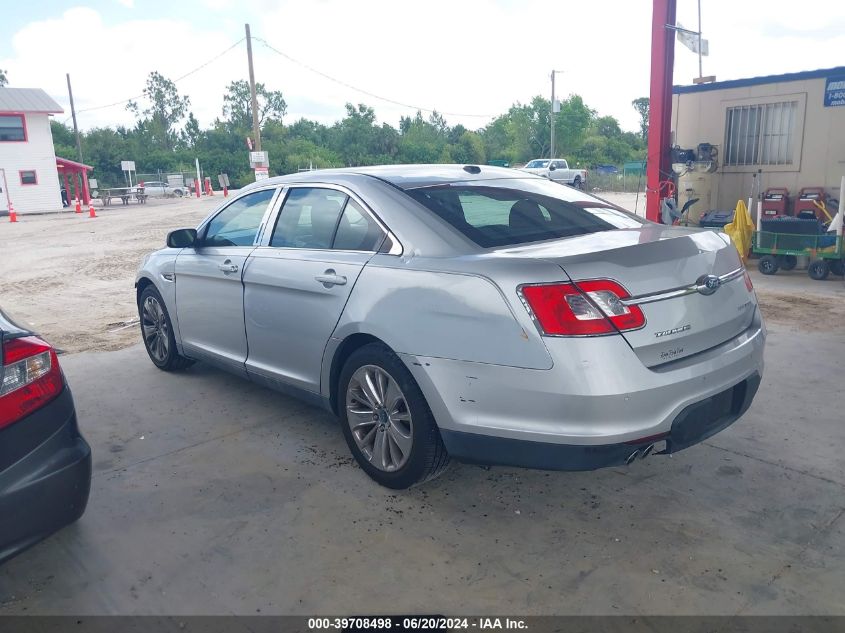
(21, 172)
(75, 170)
(22, 115)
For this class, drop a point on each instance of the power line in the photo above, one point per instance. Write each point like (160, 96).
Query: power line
(361, 90)
(178, 79)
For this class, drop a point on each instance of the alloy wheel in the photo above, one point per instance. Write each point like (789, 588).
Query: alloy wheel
(155, 328)
(378, 415)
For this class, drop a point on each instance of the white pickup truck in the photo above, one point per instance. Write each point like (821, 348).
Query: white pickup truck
(557, 170)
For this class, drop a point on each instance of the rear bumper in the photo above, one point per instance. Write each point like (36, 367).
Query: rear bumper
(45, 475)
(598, 394)
(694, 424)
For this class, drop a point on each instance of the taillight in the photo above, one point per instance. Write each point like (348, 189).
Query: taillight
(30, 378)
(585, 308)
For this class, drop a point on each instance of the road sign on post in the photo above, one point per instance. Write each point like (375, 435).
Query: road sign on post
(258, 159)
(128, 166)
(223, 179)
(262, 173)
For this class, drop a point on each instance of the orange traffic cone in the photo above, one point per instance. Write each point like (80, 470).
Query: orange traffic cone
(78, 206)
(91, 212)
(13, 216)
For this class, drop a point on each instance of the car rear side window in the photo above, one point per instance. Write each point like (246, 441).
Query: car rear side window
(237, 224)
(357, 231)
(308, 218)
(507, 212)
(321, 218)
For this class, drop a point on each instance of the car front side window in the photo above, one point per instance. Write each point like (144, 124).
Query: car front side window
(237, 224)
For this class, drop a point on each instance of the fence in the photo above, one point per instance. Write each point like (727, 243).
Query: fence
(621, 182)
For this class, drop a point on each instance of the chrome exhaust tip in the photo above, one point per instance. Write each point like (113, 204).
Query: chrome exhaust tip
(648, 450)
(630, 459)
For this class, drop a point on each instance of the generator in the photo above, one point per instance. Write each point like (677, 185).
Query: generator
(805, 204)
(775, 202)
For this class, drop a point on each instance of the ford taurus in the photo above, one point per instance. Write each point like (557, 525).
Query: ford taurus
(478, 313)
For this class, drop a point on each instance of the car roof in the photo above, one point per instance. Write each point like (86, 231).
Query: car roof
(404, 176)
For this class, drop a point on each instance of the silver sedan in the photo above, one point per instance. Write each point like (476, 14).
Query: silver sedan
(477, 313)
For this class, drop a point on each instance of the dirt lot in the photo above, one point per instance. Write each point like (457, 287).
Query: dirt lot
(71, 277)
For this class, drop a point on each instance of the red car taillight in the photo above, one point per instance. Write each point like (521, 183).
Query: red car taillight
(30, 378)
(585, 308)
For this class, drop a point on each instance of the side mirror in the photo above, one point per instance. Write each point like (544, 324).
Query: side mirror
(182, 238)
(552, 166)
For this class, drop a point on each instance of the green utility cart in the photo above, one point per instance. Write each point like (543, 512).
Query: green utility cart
(782, 250)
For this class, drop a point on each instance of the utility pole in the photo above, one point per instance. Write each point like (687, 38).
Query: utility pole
(73, 114)
(256, 132)
(552, 117)
(700, 73)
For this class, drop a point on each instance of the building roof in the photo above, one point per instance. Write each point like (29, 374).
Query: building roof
(71, 165)
(758, 81)
(28, 100)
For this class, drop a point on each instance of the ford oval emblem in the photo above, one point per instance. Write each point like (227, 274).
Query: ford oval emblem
(708, 284)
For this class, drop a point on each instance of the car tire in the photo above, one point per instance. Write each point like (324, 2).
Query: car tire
(395, 440)
(178, 193)
(768, 265)
(818, 269)
(577, 182)
(787, 262)
(157, 332)
(837, 267)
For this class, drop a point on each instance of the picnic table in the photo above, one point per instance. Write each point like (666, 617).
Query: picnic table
(125, 194)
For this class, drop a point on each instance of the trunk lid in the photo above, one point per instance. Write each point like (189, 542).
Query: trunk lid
(655, 264)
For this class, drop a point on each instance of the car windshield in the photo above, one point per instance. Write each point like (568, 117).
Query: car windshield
(537, 164)
(506, 212)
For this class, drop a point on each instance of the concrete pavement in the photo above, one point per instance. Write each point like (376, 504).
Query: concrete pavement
(215, 496)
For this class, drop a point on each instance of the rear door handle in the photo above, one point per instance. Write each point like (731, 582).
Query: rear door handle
(331, 278)
(228, 267)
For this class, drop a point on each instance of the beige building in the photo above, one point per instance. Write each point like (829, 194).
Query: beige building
(789, 129)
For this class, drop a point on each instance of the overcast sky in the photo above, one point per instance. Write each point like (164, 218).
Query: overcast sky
(461, 57)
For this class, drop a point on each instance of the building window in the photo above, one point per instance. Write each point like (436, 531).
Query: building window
(29, 177)
(761, 134)
(12, 128)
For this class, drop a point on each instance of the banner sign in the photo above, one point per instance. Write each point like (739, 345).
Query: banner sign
(834, 91)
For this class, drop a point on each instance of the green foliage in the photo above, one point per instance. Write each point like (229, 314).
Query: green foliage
(237, 106)
(4, 78)
(641, 105)
(168, 137)
(166, 108)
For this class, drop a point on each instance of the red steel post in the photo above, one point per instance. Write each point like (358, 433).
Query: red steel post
(658, 165)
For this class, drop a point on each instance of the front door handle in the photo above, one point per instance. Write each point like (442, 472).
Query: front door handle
(331, 278)
(228, 267)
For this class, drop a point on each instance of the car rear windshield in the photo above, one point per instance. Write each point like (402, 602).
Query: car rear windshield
(506, 212)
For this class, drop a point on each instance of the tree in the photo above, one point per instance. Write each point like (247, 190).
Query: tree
(237, 106)
(641, 105)
(469, 149)
(191, 134)
(359, 141)
(571, 125)
(166, 109)
(4, 78)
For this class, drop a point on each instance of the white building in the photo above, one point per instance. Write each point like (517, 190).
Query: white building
(28, 169)
(788, 131)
